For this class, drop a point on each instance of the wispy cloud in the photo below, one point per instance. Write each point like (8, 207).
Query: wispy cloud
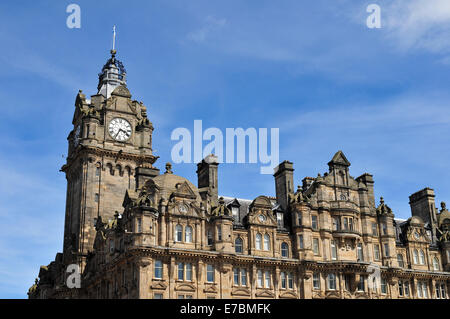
(419, 24)
(210, 25)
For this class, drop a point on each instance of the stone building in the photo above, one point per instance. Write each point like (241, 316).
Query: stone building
(137, 233)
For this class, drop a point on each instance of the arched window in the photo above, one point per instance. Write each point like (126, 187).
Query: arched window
(238, 245)
(436, 264)
(179, 233)
(266, 242)
(284, 250)
(188, 234)
(400, 262)
(258, 241)
(416, 256)
(422, 257)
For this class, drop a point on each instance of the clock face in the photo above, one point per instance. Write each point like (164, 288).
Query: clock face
(416, 235)
(182, 209)
(262, 218)
(120, 129)
(76, 139)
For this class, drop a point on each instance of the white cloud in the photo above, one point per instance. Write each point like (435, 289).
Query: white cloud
(211, 25)
(419, 24)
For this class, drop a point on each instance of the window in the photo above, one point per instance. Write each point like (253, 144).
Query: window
(374, 229)
(260, 279)
(438, 291)
(290, 281)
(267, 279)
(97, 171)
(422, 289)
(158, 269)
(219, 233)
(333, 250)
(209, 237)
(347, 282)
(361, 283)
(348, 223)
(266, 242)
(180, 271)
(284, 250)
(283, 280)
(235, 213)
(243, 277)
(383, 286)
(184, 296)
(384, 226)
(139, 225)
(376, 252)
(436, 264)
(386, 250)
(189, 272)
(299, 219)
(400, 261)
(157, 296)
(179, 233)
(240, 277)
(300, 242)
(236, 276)
(416, 256)
(188, 234)
(316, 281)
(258, 241)
(96, 198)
(316, 246)
(238, 245)
(422, 257)
(210, 273)
(360, 252)
(280, 219)
(314, 224)
(111, 246)
(336, 223)
(443, 291)
(403, 288)
(331, 281)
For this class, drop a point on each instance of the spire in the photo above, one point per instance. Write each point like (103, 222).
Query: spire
(113, 73)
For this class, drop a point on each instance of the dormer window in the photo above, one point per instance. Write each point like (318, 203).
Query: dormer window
(235, 212)
(280, 219)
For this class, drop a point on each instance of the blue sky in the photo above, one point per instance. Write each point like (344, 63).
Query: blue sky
(311, 68)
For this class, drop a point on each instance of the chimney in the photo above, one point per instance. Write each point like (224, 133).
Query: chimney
(208, 180)
(423, 205)
(143, 174)
(284, 183)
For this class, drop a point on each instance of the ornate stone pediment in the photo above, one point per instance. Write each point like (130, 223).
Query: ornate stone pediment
(265, 294)
(183, 190)
(261, 212)
(288, 295)
(159, 285)
(240, 292)
(210, 289)
(185, 287)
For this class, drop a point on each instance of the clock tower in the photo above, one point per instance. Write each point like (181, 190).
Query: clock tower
(110, 142)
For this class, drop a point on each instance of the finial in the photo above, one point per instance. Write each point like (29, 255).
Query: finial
(443, 206)
(113, 50)
(169, 168)
(382, 201)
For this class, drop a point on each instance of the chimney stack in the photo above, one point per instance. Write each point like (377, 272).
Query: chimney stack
(208, 180)
(284, 183)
